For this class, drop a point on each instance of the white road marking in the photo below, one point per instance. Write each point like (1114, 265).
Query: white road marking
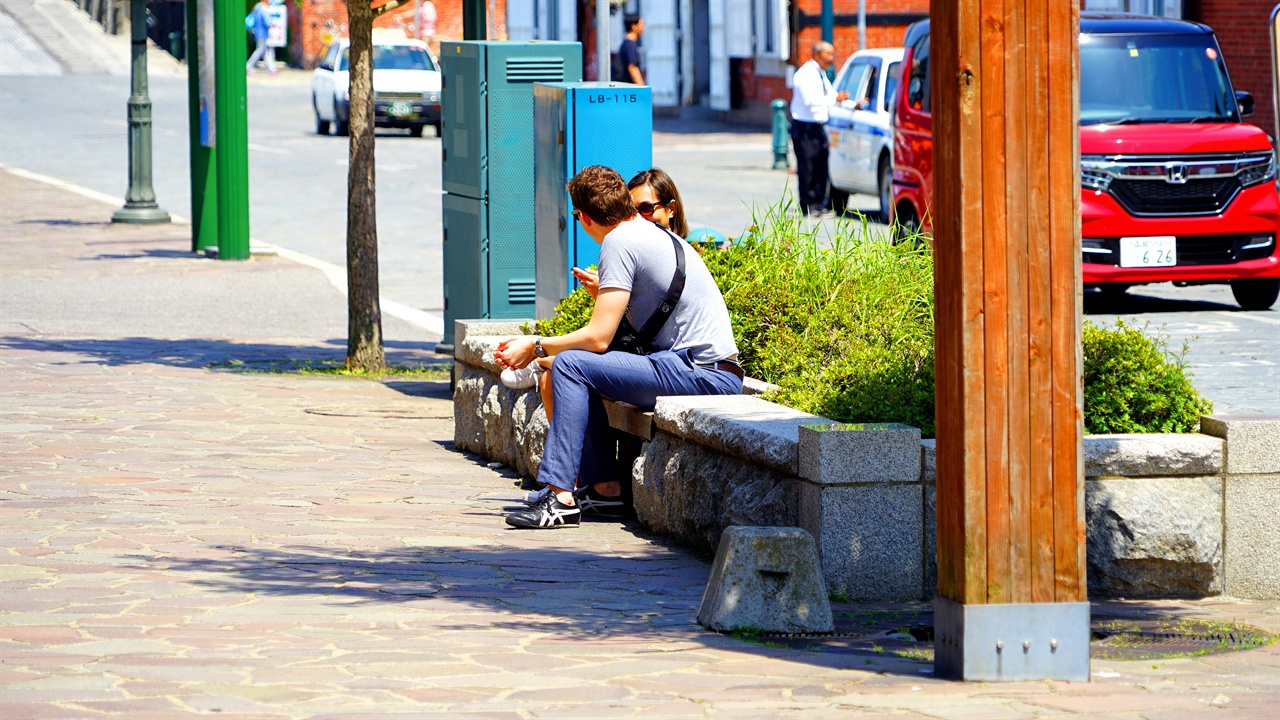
(1249, 316)
(267, 149)
(430, 321)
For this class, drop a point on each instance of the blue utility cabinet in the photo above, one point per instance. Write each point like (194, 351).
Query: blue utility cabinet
(579, 124)
(487, 172)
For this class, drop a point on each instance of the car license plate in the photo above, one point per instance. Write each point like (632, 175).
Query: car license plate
(1158, 251)
(400, 109)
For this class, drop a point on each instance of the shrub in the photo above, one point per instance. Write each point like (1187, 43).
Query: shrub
(1133, 384)
(844, 326)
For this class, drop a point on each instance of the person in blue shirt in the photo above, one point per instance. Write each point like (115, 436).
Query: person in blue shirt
(259, 23)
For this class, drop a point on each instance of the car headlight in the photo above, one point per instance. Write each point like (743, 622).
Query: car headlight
(1093, 175)
(430, 97)
(1256, 170)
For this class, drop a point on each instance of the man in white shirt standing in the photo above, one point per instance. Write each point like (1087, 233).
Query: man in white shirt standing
(811, 99)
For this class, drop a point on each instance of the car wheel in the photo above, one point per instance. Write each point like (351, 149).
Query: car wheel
(322, 126)
(341, 127)
(439, 130)
(839, 201)
(884, 188)
(906, 227)
(1256, 294)
(1113, 292)
(416, 130)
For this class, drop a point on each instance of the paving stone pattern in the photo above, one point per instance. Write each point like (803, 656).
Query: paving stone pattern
(182, 541)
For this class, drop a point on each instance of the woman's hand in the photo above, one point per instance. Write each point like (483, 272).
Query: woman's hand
(515, 352)
(589, 279)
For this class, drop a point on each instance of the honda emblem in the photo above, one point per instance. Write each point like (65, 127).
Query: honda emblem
(1176, 174)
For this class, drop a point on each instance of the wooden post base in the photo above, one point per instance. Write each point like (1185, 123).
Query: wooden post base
(1011, 641)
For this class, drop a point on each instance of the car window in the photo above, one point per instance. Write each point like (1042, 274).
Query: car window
(918, 81)
(396, 57)
(891, 85)
(867, 99)
(330, 56)
(853, 81)
(1153, 78)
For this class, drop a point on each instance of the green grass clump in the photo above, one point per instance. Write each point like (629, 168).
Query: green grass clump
(1133, 384)
(844, 326)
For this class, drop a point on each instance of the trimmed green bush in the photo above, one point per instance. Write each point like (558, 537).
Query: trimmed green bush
(1133, 384)
(844, 327)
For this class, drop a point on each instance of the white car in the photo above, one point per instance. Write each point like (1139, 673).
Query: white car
(406, 86)
(861, 158)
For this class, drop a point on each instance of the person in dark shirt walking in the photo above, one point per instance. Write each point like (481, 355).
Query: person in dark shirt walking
(626, 64)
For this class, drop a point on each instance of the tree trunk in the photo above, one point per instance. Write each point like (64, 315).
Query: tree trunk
(364, 313)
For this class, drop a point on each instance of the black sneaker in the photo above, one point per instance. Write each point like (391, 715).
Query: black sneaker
(593, 503)
(547, 513)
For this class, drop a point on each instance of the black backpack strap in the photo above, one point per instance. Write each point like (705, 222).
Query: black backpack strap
(654, 324)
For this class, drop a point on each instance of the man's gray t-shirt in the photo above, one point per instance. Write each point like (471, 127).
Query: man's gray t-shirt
(638, 256)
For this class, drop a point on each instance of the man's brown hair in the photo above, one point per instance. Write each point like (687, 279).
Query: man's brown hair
(601, 193)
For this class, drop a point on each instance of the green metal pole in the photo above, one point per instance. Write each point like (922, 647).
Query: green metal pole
(232, 132)
(204, 177)
(473, 20)
(781, 134)
(140, 200)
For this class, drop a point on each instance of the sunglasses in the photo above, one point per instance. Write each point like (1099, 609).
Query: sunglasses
(577, 215)
(647, 208)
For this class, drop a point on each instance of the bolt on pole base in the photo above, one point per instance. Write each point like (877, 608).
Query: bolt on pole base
(1009, 642)
(141, 215)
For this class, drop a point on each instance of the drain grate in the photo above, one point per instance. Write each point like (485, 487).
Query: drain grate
(1142, 639)
(909, 635)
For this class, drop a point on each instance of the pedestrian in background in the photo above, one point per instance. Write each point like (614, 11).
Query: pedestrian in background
(427, 21)
(259, 23)
(811, 99)
(626, 64)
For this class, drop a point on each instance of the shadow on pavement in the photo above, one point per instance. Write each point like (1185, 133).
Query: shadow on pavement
(1133, 302)
(573, 595)
(203, 352)
(183, 254)
(66, 223)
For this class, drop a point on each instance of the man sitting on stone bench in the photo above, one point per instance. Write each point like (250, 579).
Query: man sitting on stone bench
(692, 354)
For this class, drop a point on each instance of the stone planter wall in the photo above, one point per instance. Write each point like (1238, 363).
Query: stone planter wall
(1167, 515)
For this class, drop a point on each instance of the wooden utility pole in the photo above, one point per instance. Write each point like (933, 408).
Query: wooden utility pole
(1012, 603)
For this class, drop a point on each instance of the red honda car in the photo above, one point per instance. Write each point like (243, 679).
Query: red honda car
(1175, 186)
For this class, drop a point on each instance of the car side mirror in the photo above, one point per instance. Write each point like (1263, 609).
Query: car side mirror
(1245, 102)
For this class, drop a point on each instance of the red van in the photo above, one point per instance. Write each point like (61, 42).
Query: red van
(1175, 187)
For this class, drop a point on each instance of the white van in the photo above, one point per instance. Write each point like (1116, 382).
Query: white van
(861, 159)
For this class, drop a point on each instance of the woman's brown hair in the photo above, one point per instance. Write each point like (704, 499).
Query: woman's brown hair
(664, 188)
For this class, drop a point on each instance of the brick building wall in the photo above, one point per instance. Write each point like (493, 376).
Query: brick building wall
(317, 21)
(887, 22)
(1243, 30)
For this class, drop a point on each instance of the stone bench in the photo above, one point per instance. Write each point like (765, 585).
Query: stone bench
(1187, 515)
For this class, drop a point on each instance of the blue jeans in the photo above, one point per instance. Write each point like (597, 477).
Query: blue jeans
(579, 442)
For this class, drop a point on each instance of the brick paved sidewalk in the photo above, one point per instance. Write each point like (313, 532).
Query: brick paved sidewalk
(182, 540)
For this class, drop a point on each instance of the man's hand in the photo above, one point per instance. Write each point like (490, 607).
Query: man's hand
(515, 352)
(842, 96)
(589, 279)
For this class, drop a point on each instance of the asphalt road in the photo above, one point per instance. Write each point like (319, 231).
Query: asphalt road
(73, 128)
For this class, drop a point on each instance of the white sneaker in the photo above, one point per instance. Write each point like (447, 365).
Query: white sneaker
(522, 379)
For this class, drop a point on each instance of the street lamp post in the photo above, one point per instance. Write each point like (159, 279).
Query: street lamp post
(140, 201)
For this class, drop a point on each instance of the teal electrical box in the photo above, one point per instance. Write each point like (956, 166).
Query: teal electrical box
(487, 164)
(579, 124)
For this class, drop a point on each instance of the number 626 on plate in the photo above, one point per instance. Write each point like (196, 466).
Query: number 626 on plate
(1154, 251)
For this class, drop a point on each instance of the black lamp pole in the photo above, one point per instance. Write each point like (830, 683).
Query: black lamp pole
(140, 201)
